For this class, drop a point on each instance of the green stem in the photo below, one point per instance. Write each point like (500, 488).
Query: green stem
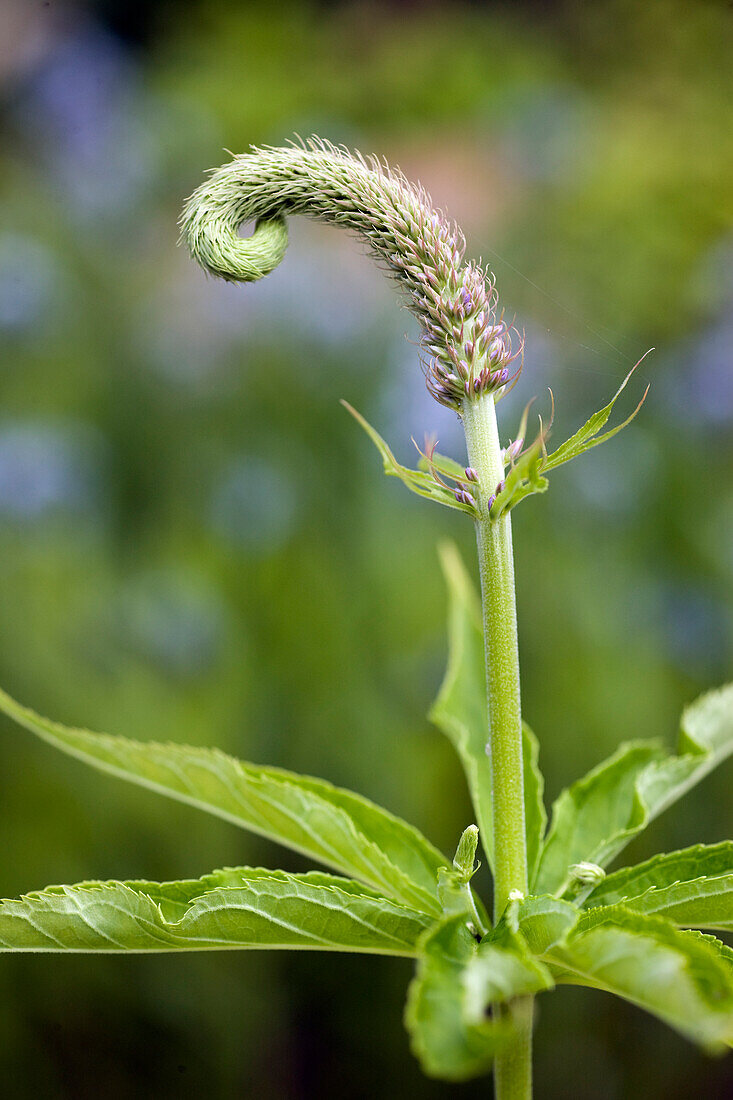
(513, 1068)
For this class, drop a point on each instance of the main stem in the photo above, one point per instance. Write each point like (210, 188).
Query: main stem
(513, 1067)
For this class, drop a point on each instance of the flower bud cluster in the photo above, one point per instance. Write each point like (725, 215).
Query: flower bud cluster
(468, 350)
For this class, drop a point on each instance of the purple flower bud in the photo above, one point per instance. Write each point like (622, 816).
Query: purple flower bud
(458, 494)
(490, 502)
(468, 348)
(468, 499)
(471, 474)
(497, 349)
(512, 451)
(500, 488)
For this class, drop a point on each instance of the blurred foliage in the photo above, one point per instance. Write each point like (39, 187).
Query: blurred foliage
(198, 544)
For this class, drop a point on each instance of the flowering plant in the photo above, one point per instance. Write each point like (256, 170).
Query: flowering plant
(642, 932)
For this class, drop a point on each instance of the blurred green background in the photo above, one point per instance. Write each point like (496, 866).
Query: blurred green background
(197, 542)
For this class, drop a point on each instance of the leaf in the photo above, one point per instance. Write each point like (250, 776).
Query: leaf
(504, 967)
(461, 710)
(535, 815)
(446, 1041)
(334, 826)
(587, 436)
(443, 465)
(706, 739)
(544, 921)
(677, 976)
(589, 817)
(661, 871)
(523, 478)
(692, 888)
(240, 907)
(457, 981)
(417, 481)
(721, 950)
(596, 817)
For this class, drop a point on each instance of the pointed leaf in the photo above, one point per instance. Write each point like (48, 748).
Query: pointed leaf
(587, 436)
(256, 908)
(701, 860)
(417, 481)
(596, 817)
(706, 739)
(461, 710)
(590, 817)
(677, 976)
(692, 888)
(449, 1000)
(332, 825)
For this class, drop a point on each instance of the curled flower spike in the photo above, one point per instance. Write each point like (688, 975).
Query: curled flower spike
(468, 350)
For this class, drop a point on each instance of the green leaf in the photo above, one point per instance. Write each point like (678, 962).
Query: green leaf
(448, 1002)
(240, 907)
(448, 1042)
(523, 478)
(693, 888)
(590, 818)
(661, 871)
(596, 817)
(461, 710)
(443, 465)
(543, 921)
(535, 815)
(334, 826)
(706, 739)
(587, 436)
(417, 481)
(677, 976)
(721, 950)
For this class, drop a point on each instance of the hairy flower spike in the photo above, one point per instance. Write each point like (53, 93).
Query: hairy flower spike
(469, 349)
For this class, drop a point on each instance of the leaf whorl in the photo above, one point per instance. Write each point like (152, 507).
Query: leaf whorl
(468, 348)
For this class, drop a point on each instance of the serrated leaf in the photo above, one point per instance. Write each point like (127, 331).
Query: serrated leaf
(338, 828)
(417, 481)
(587, 436)
(238, 908)
(675, 975)
(666, 869)
(461, 710)
(692, 888)
(721, 950)
(596, 817)
(449, 1000)
(589, 817)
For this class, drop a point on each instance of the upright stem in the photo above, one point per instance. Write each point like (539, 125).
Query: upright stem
(512, 1072)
